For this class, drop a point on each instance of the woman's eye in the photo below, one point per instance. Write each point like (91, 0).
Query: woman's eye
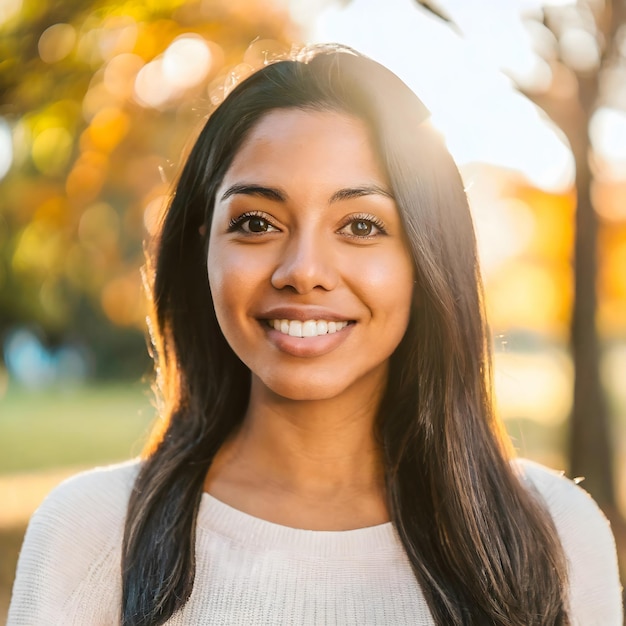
(252, 224)
(257, 225)
(362, 228)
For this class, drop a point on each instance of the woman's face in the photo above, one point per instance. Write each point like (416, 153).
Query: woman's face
(308, 265)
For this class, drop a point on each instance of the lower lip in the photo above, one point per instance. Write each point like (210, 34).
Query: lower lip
(307, 347)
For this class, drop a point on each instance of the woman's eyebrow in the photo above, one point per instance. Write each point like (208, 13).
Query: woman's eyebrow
(271, 193)
(278, 195)
(357, 192)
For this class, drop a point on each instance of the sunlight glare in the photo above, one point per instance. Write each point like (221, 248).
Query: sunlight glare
(475, 106)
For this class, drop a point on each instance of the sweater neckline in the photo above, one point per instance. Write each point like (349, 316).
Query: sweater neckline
(244, 529)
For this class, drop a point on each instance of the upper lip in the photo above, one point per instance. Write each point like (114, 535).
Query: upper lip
(302, 314)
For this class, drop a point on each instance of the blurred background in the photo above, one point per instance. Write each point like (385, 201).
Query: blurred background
(99, 102)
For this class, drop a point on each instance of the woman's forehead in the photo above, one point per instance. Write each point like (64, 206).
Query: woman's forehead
(299, 144)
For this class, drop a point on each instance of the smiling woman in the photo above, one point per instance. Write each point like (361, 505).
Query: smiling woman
(328, 452)
(304, 236)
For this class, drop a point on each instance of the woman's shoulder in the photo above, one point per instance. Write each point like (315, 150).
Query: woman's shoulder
(99, 493)
(87, 510)
(570, 506)
(589, 545)
(566, 500)
(70, 559)
(89, 506)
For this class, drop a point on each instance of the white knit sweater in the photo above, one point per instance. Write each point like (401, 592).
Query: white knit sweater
(250, 571)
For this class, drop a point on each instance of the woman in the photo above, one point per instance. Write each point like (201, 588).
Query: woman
(328, 453)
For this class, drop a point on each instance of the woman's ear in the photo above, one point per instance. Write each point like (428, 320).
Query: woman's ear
(203, 230)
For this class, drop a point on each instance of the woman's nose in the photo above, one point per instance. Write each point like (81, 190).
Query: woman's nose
(306, 263)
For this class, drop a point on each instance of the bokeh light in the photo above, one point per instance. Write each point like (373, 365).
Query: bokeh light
(9, 9)
(120, 74)
(579, 49)
(608, 134)
(56, 42)
(186, 62)
(52, 149)
(6, 148)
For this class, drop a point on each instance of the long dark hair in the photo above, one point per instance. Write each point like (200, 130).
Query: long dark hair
(482, 546)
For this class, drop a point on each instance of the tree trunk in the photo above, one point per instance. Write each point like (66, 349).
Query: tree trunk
(590, 450)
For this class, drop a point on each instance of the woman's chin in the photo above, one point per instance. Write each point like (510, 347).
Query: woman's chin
(303, 392)
(328, 384)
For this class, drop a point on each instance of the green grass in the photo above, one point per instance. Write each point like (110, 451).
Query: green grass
(72, 427)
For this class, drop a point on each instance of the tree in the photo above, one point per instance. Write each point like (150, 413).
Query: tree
(101, 98)
(590, 451)
(586, 51)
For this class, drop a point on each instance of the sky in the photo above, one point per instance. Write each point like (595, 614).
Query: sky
(461, 80)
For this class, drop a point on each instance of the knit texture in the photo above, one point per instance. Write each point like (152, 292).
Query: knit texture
(250, 571)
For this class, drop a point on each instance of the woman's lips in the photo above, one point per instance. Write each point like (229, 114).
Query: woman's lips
(306, 339)
(308, 328)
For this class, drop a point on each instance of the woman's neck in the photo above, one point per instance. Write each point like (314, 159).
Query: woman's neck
(307, 464)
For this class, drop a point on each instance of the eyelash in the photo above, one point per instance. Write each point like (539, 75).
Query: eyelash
(236, 223)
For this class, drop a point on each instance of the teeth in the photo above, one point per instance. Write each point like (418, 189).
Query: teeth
(310, 328)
